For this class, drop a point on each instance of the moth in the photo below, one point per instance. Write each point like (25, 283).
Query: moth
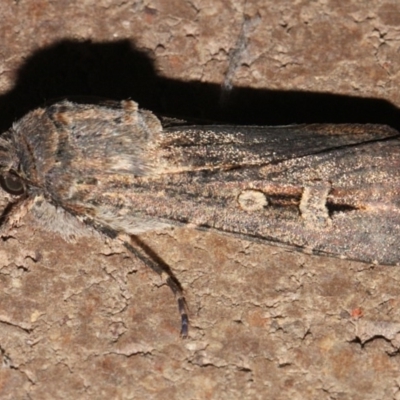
(115, 168)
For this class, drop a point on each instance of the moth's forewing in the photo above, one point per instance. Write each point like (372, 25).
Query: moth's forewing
(304, 186)
(332, 189)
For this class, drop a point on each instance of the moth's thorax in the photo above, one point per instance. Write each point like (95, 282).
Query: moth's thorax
(68, 146)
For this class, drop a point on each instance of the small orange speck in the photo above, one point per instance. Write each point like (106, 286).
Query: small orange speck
(357, 313)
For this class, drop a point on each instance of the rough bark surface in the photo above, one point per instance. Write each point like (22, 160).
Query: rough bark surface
(87, 320)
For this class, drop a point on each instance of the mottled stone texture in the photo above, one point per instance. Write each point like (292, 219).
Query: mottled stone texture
(86, 321)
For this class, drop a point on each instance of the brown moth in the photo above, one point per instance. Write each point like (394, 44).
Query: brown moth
(112, 167)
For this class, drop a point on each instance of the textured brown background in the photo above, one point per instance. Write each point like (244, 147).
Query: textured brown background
(86, 321)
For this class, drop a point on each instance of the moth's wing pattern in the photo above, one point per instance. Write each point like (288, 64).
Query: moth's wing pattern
(327, 189)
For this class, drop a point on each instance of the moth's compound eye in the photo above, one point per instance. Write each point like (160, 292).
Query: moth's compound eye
(12, 184)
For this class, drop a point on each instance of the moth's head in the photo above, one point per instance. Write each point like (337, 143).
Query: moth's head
(10, 180)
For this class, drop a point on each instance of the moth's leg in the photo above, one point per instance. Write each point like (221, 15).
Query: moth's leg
(152, 260)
